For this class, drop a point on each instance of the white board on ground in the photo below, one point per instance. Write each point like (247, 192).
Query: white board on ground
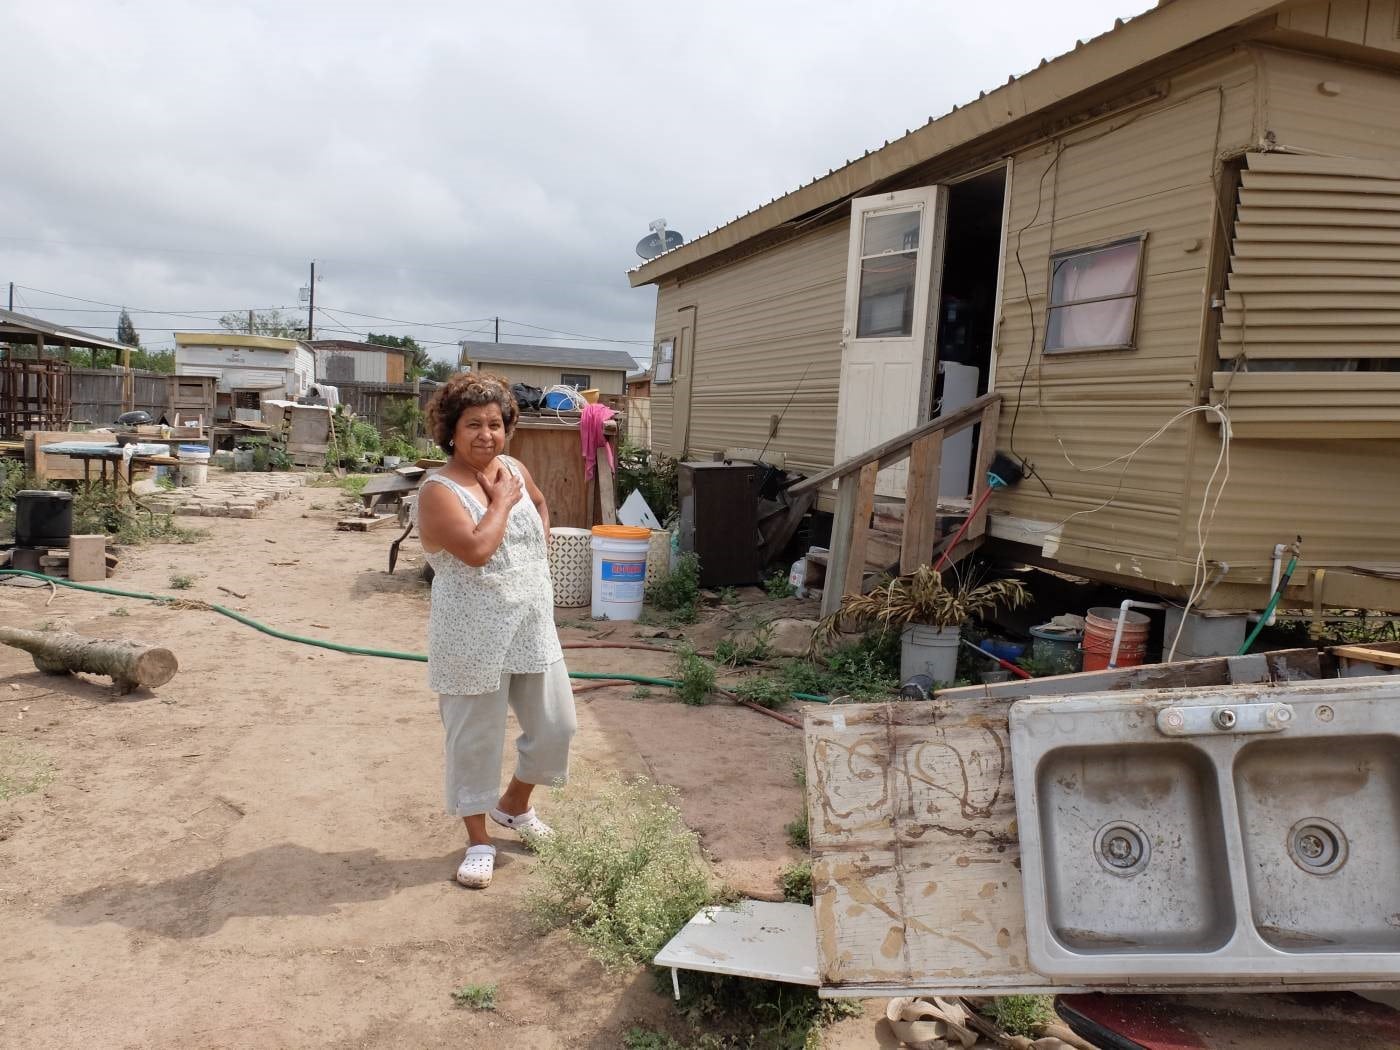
(767, 940)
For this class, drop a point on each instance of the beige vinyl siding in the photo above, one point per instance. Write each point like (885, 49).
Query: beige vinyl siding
(546, 376)
(1371, 23)
(1362, 121)
(759, 324)
(1151, 171)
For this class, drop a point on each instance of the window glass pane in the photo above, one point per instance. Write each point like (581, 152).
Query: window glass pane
(1088, 275)
(886, 307)
(665, 359)
(1106, 324)
(577, 380)
(891, 232)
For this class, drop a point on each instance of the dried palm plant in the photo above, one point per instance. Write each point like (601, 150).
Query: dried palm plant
(918, 597)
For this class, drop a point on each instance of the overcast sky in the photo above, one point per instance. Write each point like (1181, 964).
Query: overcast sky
(446, 162)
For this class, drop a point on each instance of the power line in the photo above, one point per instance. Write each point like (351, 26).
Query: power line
(577, 335)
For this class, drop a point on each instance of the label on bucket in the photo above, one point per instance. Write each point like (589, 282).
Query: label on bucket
(622, 581)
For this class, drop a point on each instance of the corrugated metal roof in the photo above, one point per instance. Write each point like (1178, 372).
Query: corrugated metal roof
(344, 345)
(1129, 44)
(21, 328)
(564, 356)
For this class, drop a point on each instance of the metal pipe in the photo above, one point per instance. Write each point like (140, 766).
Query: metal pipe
(1128, 603)
(1280, 549)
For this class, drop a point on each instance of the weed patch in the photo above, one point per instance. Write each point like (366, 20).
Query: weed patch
(738, 1012)
(680, 591)
(22, 771)
(642, 692)
(696, 676)
(650, 473)
(746, 650)
(181, 582)
(796, 880)
(777, 586)
(1023, 1015)
(622, 870)
(476, 996)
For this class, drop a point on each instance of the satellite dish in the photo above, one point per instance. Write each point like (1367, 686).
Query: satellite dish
(659, 240)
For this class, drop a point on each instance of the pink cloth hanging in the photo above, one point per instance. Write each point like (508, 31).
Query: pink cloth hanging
(590, 430)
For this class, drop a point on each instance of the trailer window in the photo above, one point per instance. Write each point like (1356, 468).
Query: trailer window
(577, 380)
(665, 360)
(1093, 297)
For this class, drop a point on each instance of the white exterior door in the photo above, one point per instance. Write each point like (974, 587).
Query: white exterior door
(887, 345)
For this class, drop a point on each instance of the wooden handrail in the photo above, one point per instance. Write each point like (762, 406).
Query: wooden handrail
(896, 448)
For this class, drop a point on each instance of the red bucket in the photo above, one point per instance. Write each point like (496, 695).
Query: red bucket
(1099, 627)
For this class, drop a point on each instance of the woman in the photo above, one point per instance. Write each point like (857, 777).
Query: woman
(491, 638)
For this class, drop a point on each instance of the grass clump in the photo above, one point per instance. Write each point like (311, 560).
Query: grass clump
(1023, 1015)
(642, 692)
(796, 880)
(799, 831)
(680, 589)
(476, 996)
(696, 676)
(22, 771)
(746, 650)
(728, 596)
(181, 582)
(621, 870)
(769, 692)
(777, 586)
(739, 1013)
(121, 610)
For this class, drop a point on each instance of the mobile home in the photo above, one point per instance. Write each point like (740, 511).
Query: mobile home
(1173, 253)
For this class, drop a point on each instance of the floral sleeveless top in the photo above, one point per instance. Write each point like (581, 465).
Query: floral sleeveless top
(497, 618)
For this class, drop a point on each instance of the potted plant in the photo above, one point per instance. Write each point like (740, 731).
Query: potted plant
(928, 615)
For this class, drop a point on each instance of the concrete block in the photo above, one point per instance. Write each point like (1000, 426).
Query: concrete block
(87, 558)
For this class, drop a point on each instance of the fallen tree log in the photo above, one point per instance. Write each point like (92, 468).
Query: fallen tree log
(129, 664)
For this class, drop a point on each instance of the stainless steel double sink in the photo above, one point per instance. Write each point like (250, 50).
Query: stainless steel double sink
(1251, 832)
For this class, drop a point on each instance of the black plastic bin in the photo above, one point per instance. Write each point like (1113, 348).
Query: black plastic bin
(43, 518)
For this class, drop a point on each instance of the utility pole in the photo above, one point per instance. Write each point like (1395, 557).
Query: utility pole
(12, 295)
(498, 329)
(311, 305)
(250, 322)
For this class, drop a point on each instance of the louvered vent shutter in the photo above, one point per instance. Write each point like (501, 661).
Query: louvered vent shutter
(1315, 266)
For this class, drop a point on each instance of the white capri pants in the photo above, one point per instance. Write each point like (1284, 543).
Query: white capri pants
(476, 737)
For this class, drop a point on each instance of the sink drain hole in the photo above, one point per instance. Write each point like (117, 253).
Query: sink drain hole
(1121, 848)
(1317, 846)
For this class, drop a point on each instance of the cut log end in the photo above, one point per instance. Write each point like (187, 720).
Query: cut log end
(131, 665)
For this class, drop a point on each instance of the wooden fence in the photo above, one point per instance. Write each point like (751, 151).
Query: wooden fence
(99, 395)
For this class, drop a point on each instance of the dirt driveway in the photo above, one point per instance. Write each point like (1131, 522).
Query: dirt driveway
(256, 856)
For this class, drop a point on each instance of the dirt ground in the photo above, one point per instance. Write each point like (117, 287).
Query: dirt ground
(257, 856)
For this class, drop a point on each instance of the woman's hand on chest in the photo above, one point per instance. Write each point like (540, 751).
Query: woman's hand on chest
(504, 489)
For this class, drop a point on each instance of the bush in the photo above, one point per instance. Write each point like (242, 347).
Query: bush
(621, 870)
(651, 473)
(680, 589)
(744, 650)
(696, 676)
(778, 586)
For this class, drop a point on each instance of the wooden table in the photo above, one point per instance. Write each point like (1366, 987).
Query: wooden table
(114, 456)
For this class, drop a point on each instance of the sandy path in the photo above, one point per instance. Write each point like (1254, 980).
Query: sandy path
(257, 855)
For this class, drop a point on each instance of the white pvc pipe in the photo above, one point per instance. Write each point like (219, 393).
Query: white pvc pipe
(1280, 549)
(1128, 603)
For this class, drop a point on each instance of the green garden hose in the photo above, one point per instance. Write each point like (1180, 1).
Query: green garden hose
(353, 650)
(1273, 604)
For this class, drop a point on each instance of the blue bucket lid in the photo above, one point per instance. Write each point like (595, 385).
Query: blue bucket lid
(193, 448)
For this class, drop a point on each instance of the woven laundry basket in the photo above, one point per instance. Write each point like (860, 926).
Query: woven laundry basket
(659, 556)
(571, 567)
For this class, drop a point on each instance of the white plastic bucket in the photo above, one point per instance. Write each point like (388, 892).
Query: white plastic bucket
(619, 571)
(929, 650)
(194, 465)
(571, 567)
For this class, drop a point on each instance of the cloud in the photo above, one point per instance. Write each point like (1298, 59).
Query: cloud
(447, 162)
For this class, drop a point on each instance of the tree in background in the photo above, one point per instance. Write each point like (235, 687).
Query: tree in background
(263, 322)
(126, 331)
(441, 371)
(418, 360)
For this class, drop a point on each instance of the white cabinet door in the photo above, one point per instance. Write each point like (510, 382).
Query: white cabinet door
(887, 346)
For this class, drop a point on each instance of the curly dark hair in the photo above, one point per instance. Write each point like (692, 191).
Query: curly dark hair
(466, 390)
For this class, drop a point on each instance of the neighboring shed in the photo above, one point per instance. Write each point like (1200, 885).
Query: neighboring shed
(547, 366)
(246, 362)
(1203, 201)
(345, 360)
